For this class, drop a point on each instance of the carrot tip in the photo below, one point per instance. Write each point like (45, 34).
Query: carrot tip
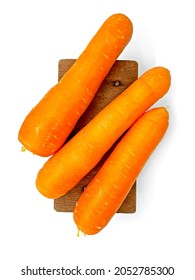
(159, 78)
(23, 149)
(78, 233)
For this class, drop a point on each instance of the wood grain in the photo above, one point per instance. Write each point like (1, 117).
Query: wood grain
(122, 74)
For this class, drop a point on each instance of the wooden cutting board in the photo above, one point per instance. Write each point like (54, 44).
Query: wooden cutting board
(122, 74)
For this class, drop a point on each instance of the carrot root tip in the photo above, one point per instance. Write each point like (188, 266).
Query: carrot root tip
(23, 149)
(79, 232)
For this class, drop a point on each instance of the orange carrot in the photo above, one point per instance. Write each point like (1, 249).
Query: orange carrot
(47, 126)
(109, 188)
(78, 156)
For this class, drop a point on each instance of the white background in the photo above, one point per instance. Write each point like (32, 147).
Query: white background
(34, 35)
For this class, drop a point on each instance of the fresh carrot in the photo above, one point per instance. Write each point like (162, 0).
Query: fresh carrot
(109, 188)
(47, 126)
(76, 158)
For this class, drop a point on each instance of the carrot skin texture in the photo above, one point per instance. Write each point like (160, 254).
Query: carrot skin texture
(77, 157)
(46, 128)
(109, 188)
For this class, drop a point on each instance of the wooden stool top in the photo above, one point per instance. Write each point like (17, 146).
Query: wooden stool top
(122, 74)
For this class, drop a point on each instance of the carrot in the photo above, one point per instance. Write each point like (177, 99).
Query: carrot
(109, 188)
(76, 158)
(47, 126)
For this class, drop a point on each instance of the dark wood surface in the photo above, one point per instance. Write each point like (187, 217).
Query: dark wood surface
(122, 74)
